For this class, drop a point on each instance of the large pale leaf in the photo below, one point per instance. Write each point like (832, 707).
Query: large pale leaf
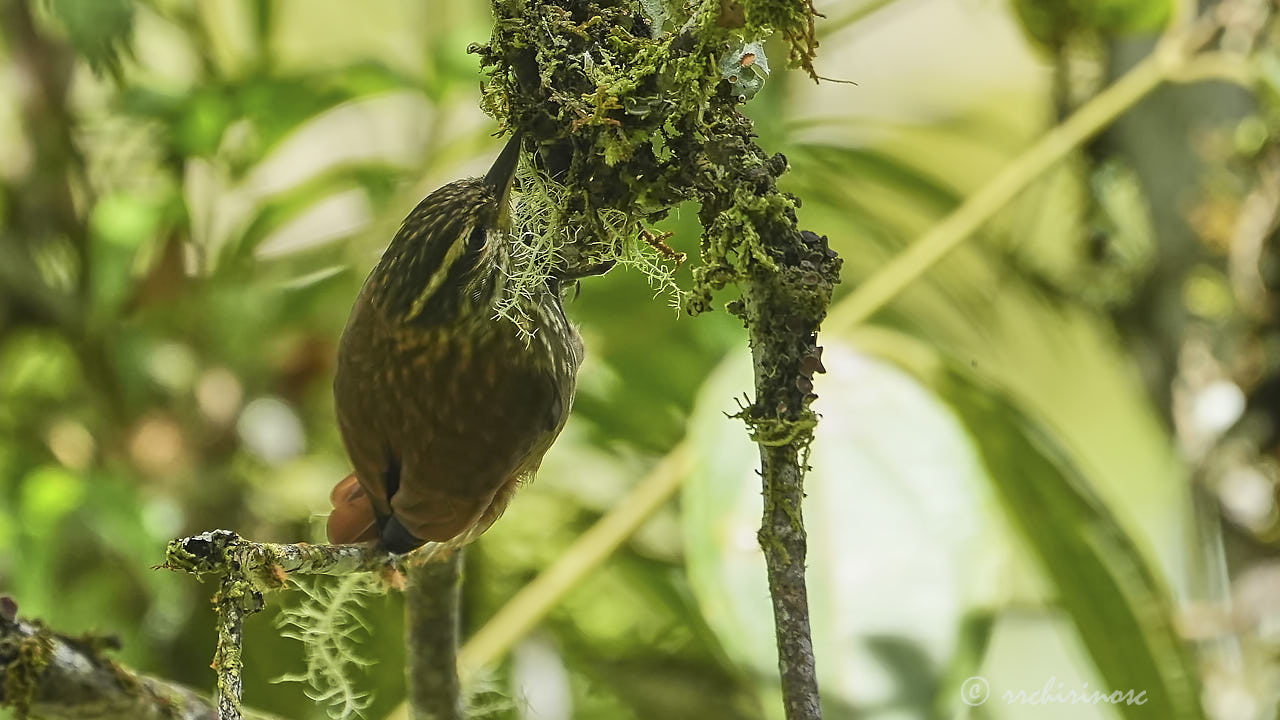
(899, 540)
(903, 543)
(1119, 606)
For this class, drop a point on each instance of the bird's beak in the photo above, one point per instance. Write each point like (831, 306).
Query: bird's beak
(504, 168)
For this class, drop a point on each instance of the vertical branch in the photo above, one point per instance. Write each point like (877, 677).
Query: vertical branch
(751, 237)
(784, 541)
(233, 602)
(786, 290)
(431, 637)
(785, 352)
(783, 538)
(787, 277)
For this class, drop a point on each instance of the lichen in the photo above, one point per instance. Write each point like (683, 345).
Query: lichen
(328, 624)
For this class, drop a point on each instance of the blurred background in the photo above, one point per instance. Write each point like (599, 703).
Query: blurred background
(192, 192)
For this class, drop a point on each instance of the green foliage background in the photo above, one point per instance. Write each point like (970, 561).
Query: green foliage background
(183, 230)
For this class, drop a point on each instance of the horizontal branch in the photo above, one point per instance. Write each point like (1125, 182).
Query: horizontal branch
(266, 565)
(250, 569)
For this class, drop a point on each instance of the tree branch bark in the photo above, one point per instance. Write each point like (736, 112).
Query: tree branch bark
(782, 535)
(432, 612)
(56, 677)
(783, 303)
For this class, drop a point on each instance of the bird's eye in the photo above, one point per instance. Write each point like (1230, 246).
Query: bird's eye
(477, 239)
(565, 288)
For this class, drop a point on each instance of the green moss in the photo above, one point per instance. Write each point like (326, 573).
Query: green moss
(625, 114)
(22, 676)
(328, 624)
(794, 20)
(779, 433)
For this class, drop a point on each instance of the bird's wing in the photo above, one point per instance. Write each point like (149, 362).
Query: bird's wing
(454, 467)
(366, 405)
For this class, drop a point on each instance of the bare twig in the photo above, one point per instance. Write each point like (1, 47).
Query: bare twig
(659, 242)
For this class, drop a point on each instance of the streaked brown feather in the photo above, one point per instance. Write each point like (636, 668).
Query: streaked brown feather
(443, 407)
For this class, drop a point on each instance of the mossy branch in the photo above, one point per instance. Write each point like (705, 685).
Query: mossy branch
(634, 113)
(247, 570)
(49, 675)
(784, 301)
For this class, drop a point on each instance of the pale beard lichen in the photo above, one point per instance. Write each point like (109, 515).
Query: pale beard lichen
(540, 235)
(327, 622)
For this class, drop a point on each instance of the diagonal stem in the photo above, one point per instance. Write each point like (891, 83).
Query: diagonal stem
(1172, 58)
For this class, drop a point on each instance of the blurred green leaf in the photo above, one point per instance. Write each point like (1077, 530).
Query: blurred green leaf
(974, 639)
(1050, 22)
(124, 219)
(279, 209)
(101, 30)
(202, 119)
(832, 165)
(1120, 607)
(272, 105)
(643, 357)
(49, 493)
(36, 364)
(450, 68)
(123, 222)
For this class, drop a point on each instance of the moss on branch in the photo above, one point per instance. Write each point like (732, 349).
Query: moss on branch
(633, 114)
(620, 106)
(50, 675)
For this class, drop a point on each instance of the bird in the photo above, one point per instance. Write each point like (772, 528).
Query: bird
(445, 406)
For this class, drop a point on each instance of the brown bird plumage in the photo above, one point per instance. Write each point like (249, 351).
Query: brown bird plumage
(443, 406)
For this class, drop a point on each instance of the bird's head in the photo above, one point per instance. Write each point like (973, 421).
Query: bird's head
(449, 258)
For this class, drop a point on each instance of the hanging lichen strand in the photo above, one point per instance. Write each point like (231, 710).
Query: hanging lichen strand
(621, 99)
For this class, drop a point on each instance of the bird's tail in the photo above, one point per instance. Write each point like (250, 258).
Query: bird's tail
(352, 519)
